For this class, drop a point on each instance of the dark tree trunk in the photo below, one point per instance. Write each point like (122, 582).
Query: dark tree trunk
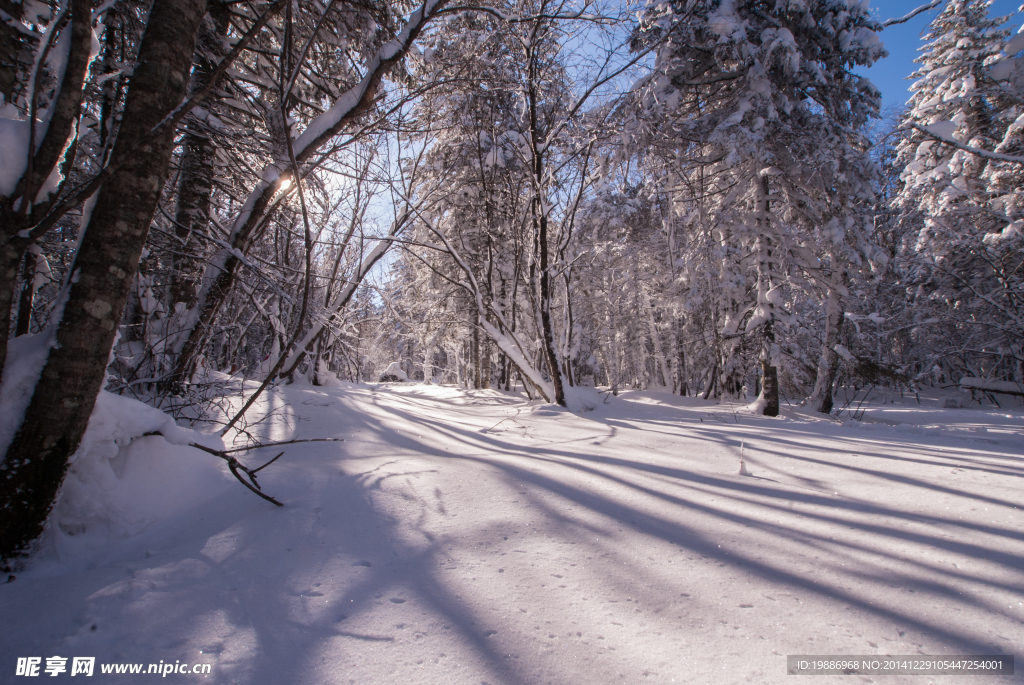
(769, 373)
(104, 269)
(10, 256)
(196, 183)
(28, 295)
(10, 46)
(485, 364)
(684, 389)
(110, 91)
(550, 351)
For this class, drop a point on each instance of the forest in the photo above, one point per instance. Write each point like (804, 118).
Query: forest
(699, 196)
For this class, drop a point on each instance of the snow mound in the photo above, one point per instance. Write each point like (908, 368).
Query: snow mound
(394, 373)
(581, 399)
(119, 483)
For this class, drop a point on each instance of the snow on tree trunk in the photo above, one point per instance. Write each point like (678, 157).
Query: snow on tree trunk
(828, 363)
(103, 273)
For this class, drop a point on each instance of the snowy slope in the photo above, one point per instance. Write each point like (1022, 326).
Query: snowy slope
(472, 537)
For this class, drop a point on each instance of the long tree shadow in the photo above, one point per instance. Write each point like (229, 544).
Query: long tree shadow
(493, 449)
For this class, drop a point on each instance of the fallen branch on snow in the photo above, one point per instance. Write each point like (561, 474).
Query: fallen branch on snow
(1001, 387)
(237, 467)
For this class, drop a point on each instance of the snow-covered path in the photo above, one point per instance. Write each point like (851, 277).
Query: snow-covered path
(471, 537)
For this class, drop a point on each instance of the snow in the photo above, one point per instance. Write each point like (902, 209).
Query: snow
(13, 148)
(26, 355)
(395, 370)
(726, 22)
(472, 536)
(121, 484)
(1008, 387)
(942, 129)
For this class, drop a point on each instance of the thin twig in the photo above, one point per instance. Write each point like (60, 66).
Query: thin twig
(278, 444)
(234, 465)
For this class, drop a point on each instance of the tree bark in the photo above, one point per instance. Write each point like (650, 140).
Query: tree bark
(10, 256)
(198, 151)
(10, 46)
(23, 323)
(550, 351)
(769, 373)
(104, 270)
(828, 363)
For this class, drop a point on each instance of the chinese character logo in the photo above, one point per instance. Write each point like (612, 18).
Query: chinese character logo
(82, 665)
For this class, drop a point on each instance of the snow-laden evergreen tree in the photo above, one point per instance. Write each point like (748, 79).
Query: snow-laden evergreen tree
(763, 96)
(961, 189)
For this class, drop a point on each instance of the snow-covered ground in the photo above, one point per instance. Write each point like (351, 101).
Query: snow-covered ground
(472, 537)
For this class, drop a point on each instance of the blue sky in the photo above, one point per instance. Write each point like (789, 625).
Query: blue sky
(903, 40)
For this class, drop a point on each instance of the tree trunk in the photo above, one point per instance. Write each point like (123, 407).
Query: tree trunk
(198, 150)
(547, 331)
(10, 46)
(28, 294)
(475, 355)
(10, 257)
(104, 270)
(769, 373)
(770, 388)
(659, 353)
(683, 389)
(828, 363)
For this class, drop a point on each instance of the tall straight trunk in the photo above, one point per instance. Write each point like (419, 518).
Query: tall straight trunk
(614, 368)
(484, 368)
(568, 324)
(548, 333)
(10, 257)
(475, 355)
(659, 353)
(712, 379)
(10, 46)
(677, 335)
(28, 293)
(198, 151)
(769, 373)
(828, 363)
(104, 270)
(539, 143)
